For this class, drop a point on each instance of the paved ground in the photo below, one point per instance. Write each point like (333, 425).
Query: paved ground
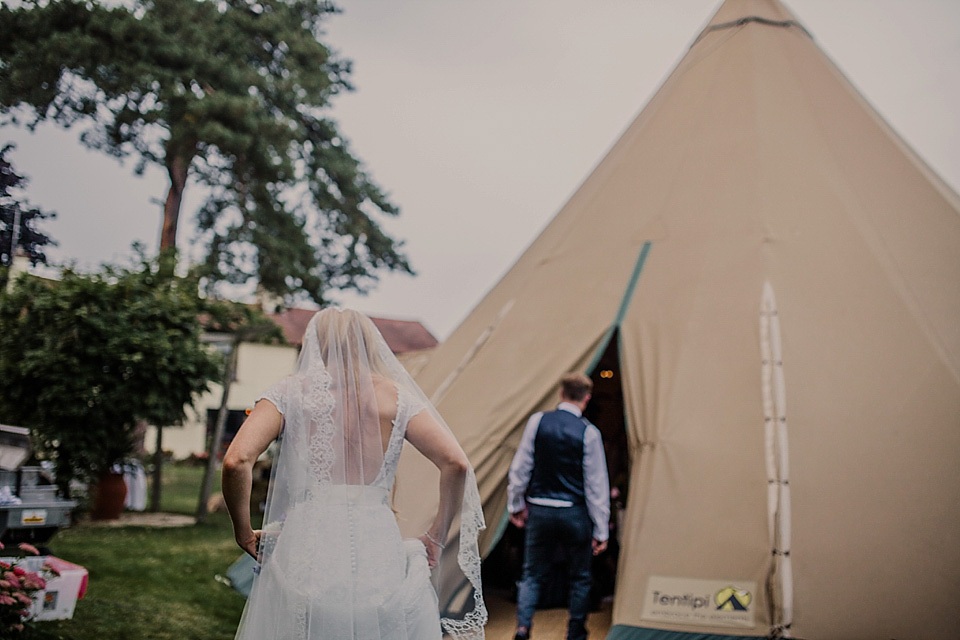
(547, 625)
(144, 519)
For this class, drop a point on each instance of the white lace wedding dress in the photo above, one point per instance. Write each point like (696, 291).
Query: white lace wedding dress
(333, 565)
(338, 568)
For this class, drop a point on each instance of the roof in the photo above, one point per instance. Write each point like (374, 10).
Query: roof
(402, 336)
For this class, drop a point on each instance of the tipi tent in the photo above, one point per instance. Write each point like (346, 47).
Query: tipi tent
(769, 278)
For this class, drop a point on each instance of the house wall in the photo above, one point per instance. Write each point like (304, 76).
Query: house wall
(258, 367)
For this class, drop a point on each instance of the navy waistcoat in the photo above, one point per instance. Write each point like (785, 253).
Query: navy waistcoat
(558, 458)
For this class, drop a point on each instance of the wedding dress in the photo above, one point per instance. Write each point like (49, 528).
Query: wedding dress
(333, 565)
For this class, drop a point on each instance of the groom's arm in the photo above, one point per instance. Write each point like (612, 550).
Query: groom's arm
(521, 468)
(596, 487)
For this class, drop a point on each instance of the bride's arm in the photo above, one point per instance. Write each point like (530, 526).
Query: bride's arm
(440, 447)
(260, 428)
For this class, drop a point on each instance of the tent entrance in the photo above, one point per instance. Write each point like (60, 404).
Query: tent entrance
(606, 411)
(503, 566)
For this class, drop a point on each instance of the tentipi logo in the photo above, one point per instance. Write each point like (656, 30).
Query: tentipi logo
(731, 599)
(700, 601)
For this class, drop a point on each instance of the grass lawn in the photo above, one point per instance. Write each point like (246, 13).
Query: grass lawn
(152, 583)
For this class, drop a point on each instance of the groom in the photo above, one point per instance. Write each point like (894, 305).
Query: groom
(559, 491)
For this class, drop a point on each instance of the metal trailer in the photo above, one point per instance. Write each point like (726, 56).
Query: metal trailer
(31, 509)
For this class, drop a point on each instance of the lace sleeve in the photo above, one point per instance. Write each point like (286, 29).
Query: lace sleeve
(276, 394)
(408, 405)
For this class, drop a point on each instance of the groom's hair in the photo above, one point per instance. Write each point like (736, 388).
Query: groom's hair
(575, 386)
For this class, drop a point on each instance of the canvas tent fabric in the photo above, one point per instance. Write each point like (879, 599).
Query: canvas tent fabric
(781, 274)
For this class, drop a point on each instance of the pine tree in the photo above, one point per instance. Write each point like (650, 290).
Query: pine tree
(15, 211)
(230, 94)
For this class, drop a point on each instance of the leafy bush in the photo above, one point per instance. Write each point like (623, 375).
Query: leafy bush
(85, 358)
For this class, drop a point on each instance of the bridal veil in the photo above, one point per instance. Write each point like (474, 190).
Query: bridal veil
(332, 561)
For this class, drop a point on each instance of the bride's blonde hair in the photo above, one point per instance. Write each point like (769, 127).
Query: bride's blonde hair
(351, 327)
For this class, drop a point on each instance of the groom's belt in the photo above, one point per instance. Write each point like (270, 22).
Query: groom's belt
(552, 502)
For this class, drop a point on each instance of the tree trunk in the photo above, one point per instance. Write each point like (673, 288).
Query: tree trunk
(157, 472)
(213, 449)
(177, 168)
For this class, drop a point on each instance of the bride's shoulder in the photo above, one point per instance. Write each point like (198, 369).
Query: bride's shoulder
(392, 394)
(385, 389)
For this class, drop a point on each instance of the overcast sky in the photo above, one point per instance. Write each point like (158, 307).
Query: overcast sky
(481, 118)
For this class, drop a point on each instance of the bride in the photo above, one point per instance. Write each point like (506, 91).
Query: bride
(333, 565)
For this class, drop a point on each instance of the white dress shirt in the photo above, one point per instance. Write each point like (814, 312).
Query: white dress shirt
(596, 485)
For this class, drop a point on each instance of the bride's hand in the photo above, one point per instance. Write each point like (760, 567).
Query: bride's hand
(433, 550)
(250, 542)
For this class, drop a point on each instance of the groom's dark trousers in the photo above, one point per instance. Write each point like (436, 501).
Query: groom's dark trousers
(547, 527)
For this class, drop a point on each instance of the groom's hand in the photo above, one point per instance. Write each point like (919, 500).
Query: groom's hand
(599, 546)
(519, 519)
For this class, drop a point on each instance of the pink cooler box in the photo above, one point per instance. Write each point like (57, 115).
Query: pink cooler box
(59, 599)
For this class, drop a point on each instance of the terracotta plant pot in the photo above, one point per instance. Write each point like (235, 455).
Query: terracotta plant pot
(109, 495)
